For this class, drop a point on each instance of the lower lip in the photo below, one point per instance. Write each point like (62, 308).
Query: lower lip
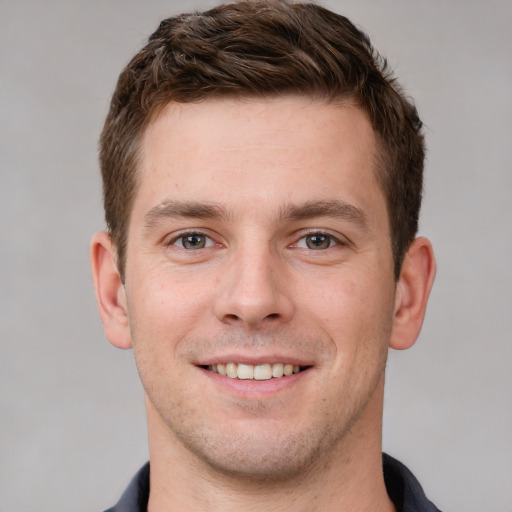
(255, 389)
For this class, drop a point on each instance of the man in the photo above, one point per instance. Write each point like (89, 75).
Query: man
(262, 184)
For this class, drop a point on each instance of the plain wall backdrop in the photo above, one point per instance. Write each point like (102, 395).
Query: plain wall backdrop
(72, 426)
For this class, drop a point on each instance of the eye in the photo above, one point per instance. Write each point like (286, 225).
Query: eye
(192, 241)
(317, 241)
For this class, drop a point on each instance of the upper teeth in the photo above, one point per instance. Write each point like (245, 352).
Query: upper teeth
(255, 372)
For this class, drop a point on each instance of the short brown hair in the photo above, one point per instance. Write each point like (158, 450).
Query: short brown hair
(262, 48)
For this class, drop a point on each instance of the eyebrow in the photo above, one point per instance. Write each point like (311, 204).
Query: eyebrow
(214, 211)
(334, 208)
(188, 209)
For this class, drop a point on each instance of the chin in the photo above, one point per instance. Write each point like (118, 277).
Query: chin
(262, 456)
(275, 464)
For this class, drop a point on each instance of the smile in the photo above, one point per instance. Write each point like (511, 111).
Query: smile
(254, 372)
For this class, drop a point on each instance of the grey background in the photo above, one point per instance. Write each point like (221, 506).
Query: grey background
(71, 408)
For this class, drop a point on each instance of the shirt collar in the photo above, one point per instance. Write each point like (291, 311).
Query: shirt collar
(403, 489)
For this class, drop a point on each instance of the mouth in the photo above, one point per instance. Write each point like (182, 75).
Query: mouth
(257, 372)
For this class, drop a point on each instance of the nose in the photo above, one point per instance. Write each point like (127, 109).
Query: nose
(254, 290)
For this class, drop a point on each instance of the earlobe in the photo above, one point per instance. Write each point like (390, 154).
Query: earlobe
(110, 292)
(412, 293)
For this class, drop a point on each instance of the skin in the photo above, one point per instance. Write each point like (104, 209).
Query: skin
(256, 183)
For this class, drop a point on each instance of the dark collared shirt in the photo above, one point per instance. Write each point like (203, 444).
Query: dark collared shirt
(403, 489)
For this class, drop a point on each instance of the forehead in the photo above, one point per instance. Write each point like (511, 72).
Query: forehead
(267, 151)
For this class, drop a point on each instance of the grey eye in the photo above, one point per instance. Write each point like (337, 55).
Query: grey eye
(318, 241)
(193, 241)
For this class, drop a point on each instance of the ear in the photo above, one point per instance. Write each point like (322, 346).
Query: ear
(110, 292)
(412, 292)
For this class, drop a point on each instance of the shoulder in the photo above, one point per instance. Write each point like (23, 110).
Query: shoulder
(404, 489)
(135, 497)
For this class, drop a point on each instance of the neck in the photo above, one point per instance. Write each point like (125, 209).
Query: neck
(349, 477)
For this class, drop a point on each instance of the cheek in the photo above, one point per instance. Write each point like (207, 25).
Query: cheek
(170, 296)
(352, 309)
(165, 309)
(161, 317)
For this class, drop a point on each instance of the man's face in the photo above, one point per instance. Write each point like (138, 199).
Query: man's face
(259, 239)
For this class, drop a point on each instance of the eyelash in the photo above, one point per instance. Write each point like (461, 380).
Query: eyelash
(333, 240)
(209, 242)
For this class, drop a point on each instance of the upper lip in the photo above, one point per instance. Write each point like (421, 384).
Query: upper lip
(254, 360)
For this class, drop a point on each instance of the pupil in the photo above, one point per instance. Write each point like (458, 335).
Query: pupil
(318, 242)
(194, 242)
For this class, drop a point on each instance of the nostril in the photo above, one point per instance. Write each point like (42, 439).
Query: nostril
(272, 315)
